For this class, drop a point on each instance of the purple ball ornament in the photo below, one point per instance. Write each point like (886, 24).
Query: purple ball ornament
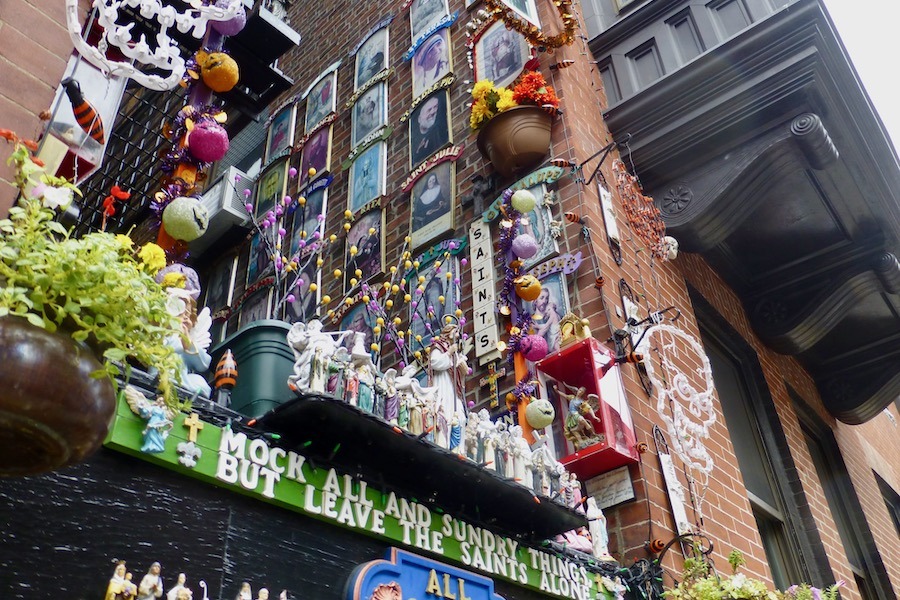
(292, 172)
(533, 347)
(290, 298)
(208, 141)
(524, 246)
(235, 24)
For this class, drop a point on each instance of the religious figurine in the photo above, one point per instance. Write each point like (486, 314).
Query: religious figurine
(486, 430)
(298, 339)
(521, 455)
(597, 528)
(391, 396)
(501, 449)
(263, 594)
(151, 585)
(364, 371)
(172, 594)
(337, 364)
(456, 432)
(557, 473)
(447, 370)
(471, 444)
(120, 586)
(245, 593)
(192, 343)
(158, 416)
(579, 424)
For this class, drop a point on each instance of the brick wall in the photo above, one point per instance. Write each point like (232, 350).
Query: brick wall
(34, 48)
(334, 28)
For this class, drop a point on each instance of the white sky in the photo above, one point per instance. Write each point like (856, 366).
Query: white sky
(869, 30)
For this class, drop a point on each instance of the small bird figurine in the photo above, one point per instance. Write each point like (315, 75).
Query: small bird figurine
(85, 114)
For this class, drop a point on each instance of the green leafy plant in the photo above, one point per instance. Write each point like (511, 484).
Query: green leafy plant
(701, 582)
(92, 287)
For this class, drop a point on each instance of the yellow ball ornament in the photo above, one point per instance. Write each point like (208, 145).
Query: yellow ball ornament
(376, 330)
(326, 299)
(353, 250)
(407, 297)
(395, 288)
(337, 273)
(380, 320)
(389, 304)
(353, 281)
(397, 321)
(358, 272)
(312, 171)
(348, 214)
(407, 264)
(302, 202)
(313, 287)
(374, 347)
(346, 226)
(441, 299)
(332, 238)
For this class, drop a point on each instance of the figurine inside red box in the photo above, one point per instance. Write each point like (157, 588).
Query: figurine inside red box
(598, 433)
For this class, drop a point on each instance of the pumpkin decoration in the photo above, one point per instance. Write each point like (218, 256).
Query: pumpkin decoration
(185, 218)
(528, 287)
(539, 413)
(218, 71)
(524, 246)
(207, 141)
(523, 201)
(533, 347)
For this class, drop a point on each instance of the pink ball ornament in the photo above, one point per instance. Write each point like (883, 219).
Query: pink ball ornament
(208, 141)
(533, 347)
(232, 26)
(525, 246)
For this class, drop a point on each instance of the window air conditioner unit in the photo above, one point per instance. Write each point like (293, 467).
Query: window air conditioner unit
(224, 202)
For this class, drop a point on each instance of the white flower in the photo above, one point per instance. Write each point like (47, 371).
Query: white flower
(57, 198)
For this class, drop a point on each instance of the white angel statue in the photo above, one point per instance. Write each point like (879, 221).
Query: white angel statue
(194, 340)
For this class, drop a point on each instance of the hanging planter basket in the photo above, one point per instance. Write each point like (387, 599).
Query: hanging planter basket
(52, 412)
(517, 139)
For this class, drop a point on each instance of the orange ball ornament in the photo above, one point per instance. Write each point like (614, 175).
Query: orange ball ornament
(528, 287)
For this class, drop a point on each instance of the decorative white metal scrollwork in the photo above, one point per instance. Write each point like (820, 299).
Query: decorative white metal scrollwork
(116, 33)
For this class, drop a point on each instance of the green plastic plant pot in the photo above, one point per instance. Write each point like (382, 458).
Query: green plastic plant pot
(264, 362)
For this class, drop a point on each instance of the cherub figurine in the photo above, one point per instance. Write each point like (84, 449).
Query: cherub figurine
(158, 416)
(193, 341)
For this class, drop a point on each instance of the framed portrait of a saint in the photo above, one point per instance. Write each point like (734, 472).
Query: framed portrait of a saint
(500, 55)
(372, 57)
(358, 320)
(369, 113)
(549, 308)
(257, 307)
(316, 154)
(431, 201)
(425, 14)
(281, 132)
(272, 186)
(321, 100)
(367, 176)
(437, 300)
(431, 62)
(429, 127)
(537, 223)
(306, 302)
(308, 219)
(219, 288)
(366, 236)
(259, 263)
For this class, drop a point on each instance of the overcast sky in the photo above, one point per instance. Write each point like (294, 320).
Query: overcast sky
(870, 30)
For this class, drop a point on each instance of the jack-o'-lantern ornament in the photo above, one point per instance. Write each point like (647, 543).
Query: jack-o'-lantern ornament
(539, 413)
(218, 71)
(528, 287)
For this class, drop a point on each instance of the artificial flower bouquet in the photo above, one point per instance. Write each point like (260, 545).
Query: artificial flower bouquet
(530, 89)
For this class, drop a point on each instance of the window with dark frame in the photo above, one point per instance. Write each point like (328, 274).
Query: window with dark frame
(891, 500)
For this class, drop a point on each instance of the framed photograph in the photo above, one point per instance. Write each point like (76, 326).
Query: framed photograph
(308, 219)
(358, 319)
(369, 113)
(551, 305)
(431, 62)
(316, 155)
(258, 261)
(281, 132)
(525, 9)
(372, 57)
(219, 288)
(427, 317)
(537, 223)
(321, 100)
(257, 307)
(429, 127)
(425, 14)
(367, 176)
(306, 303)
(500, 55)
(431, 199)
(366, 234)
(272, 186)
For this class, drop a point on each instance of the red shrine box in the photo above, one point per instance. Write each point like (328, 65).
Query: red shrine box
(589, 364)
